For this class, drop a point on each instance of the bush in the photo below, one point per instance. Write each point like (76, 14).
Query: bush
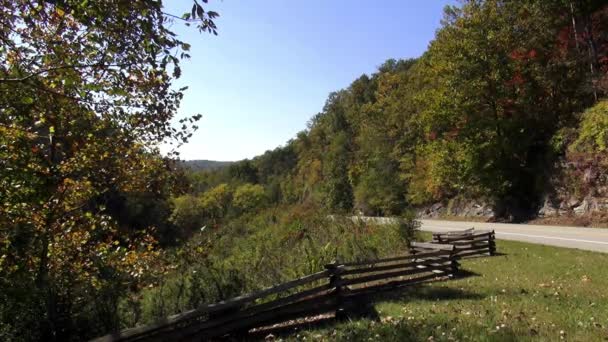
(593, 131)
(249, 197)
(187, 213)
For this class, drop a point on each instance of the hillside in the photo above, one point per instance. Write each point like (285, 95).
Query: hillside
(204, 165)
(502, 118)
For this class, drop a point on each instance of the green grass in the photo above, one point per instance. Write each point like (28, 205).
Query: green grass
(529, 293)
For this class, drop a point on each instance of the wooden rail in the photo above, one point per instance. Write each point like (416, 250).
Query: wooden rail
(334, 290)
(469, 242)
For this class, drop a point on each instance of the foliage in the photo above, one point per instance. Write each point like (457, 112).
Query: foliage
(85, 99)
(593, 132)
(216, 202)
(249, 197)
(188, 213)
(201, 165)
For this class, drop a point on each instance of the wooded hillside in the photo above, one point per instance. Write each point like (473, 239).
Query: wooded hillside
(490, 112)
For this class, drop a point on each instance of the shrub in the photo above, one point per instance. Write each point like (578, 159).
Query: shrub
(593, 131)
(187, 213)
(249, 197)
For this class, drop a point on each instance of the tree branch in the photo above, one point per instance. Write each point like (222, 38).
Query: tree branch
(75, 66)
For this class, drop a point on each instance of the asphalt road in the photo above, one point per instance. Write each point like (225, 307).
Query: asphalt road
(592, 239)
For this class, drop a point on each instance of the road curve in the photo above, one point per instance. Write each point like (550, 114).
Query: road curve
(592, 239)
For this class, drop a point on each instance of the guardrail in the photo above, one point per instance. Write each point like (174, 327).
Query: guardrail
(335, 290)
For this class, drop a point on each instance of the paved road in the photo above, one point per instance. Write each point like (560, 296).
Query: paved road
(592, 239)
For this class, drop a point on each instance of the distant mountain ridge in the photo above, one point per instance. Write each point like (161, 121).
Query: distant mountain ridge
(202, 164)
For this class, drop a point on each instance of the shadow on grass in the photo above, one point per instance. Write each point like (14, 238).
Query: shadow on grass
(428, 293)
(420, 292)
(288, 329)
(362, 306)
(462, 274)
(475, 256)
(391, 330)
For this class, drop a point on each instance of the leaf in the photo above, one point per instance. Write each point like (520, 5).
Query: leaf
(27, 100)
(200, 11)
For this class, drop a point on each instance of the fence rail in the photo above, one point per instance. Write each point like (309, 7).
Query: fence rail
(333, 290)
(469, 242)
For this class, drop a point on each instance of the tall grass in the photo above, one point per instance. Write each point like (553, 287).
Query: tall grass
(260, 250)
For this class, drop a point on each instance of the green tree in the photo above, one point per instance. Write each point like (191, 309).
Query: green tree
(216, 202)
(592, 137)
(187, 214)
(337, 186)
(249, 197)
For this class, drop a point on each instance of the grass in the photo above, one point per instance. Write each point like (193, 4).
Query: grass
(529, 293)
(255, 252)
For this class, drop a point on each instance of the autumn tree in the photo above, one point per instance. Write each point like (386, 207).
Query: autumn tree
(500, 85)
(85, 101)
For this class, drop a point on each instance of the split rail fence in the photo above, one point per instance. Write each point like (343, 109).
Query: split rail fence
(335, 290)
(469, 242)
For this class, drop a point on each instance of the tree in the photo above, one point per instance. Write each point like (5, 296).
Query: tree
(187, 214)
(249, 197)
(216, 202)
(500, 85)
(243, 172)
(337, 185)
(85, 99)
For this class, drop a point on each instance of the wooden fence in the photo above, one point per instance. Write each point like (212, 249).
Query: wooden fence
(336, 290)
(469, 242)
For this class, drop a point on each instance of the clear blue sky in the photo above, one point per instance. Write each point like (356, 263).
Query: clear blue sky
(274, 62)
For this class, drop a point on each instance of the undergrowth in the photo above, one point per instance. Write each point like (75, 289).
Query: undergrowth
(257, 251)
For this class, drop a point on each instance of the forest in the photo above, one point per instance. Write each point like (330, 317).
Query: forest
(100, 231)
(505, 96)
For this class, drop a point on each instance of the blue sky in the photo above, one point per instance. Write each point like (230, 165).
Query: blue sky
(274, 62)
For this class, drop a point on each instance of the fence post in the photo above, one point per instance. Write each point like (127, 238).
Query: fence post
(492, 243)
(335, 280)
(454, 261)
(438, 237)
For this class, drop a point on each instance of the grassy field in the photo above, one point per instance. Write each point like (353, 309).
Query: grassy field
(528, 293)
